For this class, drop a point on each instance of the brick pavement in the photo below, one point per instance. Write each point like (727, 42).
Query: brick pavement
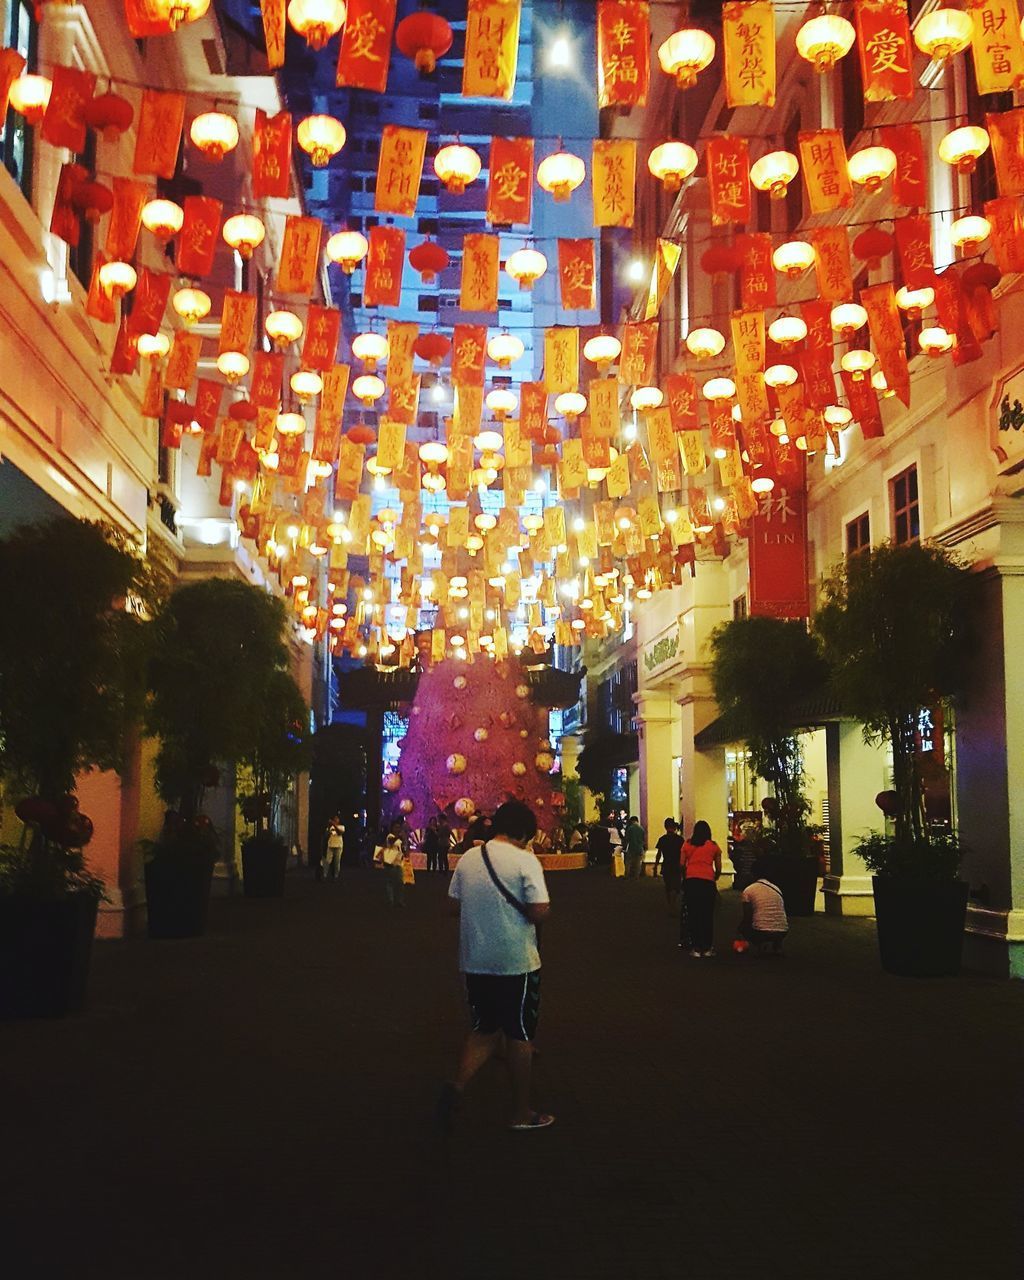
(256, 1104)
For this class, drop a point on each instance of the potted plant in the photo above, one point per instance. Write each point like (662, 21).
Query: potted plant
(760, 668)
(280, 750)
(217, 645)
(70, 685)
(894, 626)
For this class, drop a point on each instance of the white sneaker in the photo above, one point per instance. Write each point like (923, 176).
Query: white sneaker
(696, 955)
(709, 952)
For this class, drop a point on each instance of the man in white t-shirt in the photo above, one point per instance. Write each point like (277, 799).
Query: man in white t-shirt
(499, 907)
(764, 921)
(334, 844)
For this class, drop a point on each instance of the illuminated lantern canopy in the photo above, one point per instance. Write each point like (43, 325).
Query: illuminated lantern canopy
(163, 218)
(643, 399)
(685, 54)
(347, 249)
(824, 40)
(117, 278)
(962, 148)
(870, 167)
(872, 246)
(774, 172)
(109, 114)
(914, 301)
(561, 174)
(368, 388)
(153, 346)
(306, 384)
(602, 350)
(372, 349)
(672, 163)
(847, 318)
(432, 347)
(526, 266)
(180, 12)
(215, 134)
(429, 259)
(794, 258)
(244, 232)
(504, 349)
(317, 20)
(936, 341)
(290, 424)
(969, 233)
(424, 37)
(283, 328)
(321, 137)
(192, 305)
(233, 365)
(943, 33)
(705, 344)
(858, 362)
(30, 96)
(457, 166)
(787, 331)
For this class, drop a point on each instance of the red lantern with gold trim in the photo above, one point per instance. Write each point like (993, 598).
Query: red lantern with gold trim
(361, 433)
(721, 259)
(243, 411)
(93, 200)
(424, 37)
(429, 259)
(432, 347)
(872, 246)
(109, 114)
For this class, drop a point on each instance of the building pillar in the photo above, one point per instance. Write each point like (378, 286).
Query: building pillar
(857, 771)
(112, 801)
(658, 726)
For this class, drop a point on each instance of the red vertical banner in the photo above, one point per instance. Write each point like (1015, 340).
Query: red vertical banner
(197, 240)
(533, 410)
(385, 259)
(12, 64)
(818, 353)
(510, 182)
(832, 263)
(623, 52)
(183, 360)
(274, 28)
(237, 321)
(1004, 215)
(320, 346)
(639, 347)
(910, 181)
(366, 45)
(265, 382)
(723, 427)
(779, 568)
(158, 137)
(1006, 129)
(886, 53)
(206, 410)
(125, 356)
(728, 167)
(271, 155)
(757, 273)
(64, 220)
(125, 218)
(468, 344)
(863, 401)
(63, 120)
(149, 301)
(682, 400)
(300, 255)
(886, 329)
(576, 274)
(914, 245)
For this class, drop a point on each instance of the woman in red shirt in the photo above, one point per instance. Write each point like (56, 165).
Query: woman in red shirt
(701, 863)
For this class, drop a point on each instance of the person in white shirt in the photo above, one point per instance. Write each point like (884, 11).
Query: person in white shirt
(334, 838)
(498, 892)
(764, 921)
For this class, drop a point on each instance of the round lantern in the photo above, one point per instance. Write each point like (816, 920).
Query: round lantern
(283, 328)
(464, 807)
(824, 40)
(685, 54)
(214, 134)
(406, 805)
(870, 167)
(361, 433)
(570, 404)
(244, 232)
(644, 399)
(109, 114)
(879, 383)
(233, 365)
(560, 174)
(780, 375)
(719, 389)
(963, 147)
(432, 347)
(936, 341)
(93, 199)
(117, 278)
(672, 163)
(721, 259)
(602, 350)
(526, 266)
(504, 349)
(243, 411)
(153, 346)
(914, 301)
(705, 344)
(429, 259)
(459, 682)
(424, 37)
(858, 362)
(872, 245)
(347, 249)
(163, 218)
(501, 402)
(794, 258)
(481, 734)
(847, 318)
(943, 33)
(321, 137)
(317, 20)
(368, 388)
(519, 768)
(393, 782)
(774, 172)
(970, 233)
(180, 12)
(762, 484)
(371, 348)
(787, 331)
(522, 691)
(457, 166)
(192, 305)
(543, 761)
(837, 415)
(455, 764)
(30, 96)
(306, 384)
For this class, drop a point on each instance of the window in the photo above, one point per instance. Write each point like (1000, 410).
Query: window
(858, 534)
(739, 608)
(906, 511)
(18, 30)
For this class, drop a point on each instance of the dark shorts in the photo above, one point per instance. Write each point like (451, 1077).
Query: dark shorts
(504, 1002)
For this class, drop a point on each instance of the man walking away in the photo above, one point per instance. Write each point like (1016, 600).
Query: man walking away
(668, 849)
(498, 892)
(635, 848)
(334, 844)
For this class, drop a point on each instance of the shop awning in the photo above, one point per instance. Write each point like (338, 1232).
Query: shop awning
(811, 712)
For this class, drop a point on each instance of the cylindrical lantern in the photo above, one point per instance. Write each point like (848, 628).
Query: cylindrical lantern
(719, 389)
(191, 304)
(30, 96)
(371, 348)
(962, 147)
(787, 331)
(570, 404)
(643, 399)
(870, 166)
(603, 350)
(705, 344)
(501, 402)
(942, 33)
(153, 346)
(117, 278)
(847, 317)
(936, 341)
(671, 163)
(969, 233)
(306, 384)
(794, 257)
(163, 218)
(824, 40)
(233, 365)
(290, 424)
(858, 362)
(368, 388)
(780, 375)
(317, 20)
(504, 349)
(914, 301)
(283, 328)
(774, 172)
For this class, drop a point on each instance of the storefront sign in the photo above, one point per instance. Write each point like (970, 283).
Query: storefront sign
(1007, 432)
(660, 652)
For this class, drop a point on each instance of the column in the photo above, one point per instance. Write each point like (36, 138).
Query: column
(657, 724)
(857, 771)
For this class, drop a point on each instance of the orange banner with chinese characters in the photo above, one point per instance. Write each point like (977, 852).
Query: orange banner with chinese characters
(326, 438)
(153, 394)
(910, 181)
(748, 34)
(404, 399)
(479, 287)
(271, 154)
(183, 360)
(914, 245)
(510, 182)
(323, 329)
(274, 27)
(158, 136)
(886, 329)
(385, 259)
(885, 49)
(561, 359)
(237, 321)
(390, 444)
(604, 421)
(402, 335)
(300, 255)
(206, 411)
(576, 274)
(757, 271)
(639, 345)
(350, 471)
(366, 45)
(623, 52)
(399, 170)
(70, 90)
(492, 49)
(265, 381)
(533, 410)
(1007, 224)
(824, 165)
(468, 348)
(613, 179)
(752, 395)
(722, 434)
(682, 400)
(728, 169)
(863, 403)
(666, 259)
(997, 46)
(197, 240)
(125, 218)
(332, 398)
(1006, 129)
(748, 340)
(149, 301)
(832, 263)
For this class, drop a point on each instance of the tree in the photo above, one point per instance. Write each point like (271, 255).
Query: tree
(894, 627)
(760, 668)
(280, 749)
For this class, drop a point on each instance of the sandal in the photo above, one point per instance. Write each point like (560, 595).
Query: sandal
(537, 1120)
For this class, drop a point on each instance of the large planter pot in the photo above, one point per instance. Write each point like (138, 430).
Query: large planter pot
(178, 895)
(264, 862)
(44, 955)
(798, 880)
(920, 925)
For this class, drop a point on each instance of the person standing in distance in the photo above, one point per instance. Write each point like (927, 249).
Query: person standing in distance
(334, 844)
(635, 848)
(499, 894)
(668, 851)
(701, 862)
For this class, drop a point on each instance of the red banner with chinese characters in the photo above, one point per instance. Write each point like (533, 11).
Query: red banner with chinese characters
(64, 219)
(125, 218)
(366, 45)
(404, 399)
(576, 274)
(479, 286)
(757, 273)
(399, 170)
(197, 240)
(468, 346)
(879, 300)
(728, 166)
(1006, 129)
(402, 335)
(300, 255)
(385, 259)
(326, 438)
(748, 340)
(1004, 215)
(158, 136)
(323, 329)
(533, 410)
(183, 360)
(886, 52)
(613, 181)
(826, 175)
(510, 182)
(723, 427)
(832, 263)
(177, 416)
(332, 397)
(125, 356)
(623, 52)
(779, 568)
(997, 46)
(206, 410)
(818, 353)
(748, 36)
(639, 346)
(153, 393)
(265, 381)
(914, 245)
(149, 301)
(238, 319)
(271, 155)
(492, 49)
(863, 401)
(12, 64)
(910, 181)
(63, 123)
(682, 400)
(274, 29)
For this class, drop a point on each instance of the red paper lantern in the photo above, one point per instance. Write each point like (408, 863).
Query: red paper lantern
(361, 433)
(981, 275)
(888, 802)
(92, 199)
(721, 259)
(432, 347)
(429, 259)
(109, 114)
(424, 37)
(872, 246)
(243, 411)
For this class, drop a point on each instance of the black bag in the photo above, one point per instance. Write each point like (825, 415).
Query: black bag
(505, 892)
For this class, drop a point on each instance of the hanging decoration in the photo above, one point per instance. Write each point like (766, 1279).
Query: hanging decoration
(510, 182)
(623, 52)
(492, 49)
(883, 43)
(613, 179)
(748, 36)
(365, 52)
(399, 170)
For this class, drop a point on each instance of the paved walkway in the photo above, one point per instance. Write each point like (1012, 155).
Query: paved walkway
(256, 1104)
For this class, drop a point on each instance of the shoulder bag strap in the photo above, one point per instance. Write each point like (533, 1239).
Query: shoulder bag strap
(505, 892)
